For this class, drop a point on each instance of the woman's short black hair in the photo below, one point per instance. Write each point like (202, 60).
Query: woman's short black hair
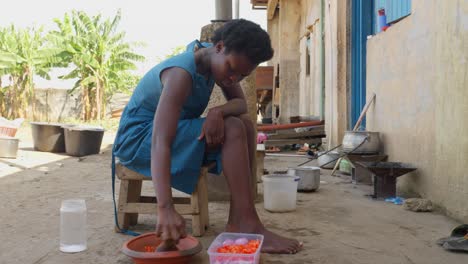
(245, 37)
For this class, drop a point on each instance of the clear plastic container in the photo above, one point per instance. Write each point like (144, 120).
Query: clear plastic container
(73, 226)
(225, 258)
(279, 192)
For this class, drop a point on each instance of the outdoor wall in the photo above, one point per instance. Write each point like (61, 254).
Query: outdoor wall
(336, 69)
(289, 34)
(273, 31)
(343, 67)
(301, 93)
(309, 86)
(53, 105)
(418, 69)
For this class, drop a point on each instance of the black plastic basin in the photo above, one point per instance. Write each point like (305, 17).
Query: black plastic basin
(48, 137)
(83, 140)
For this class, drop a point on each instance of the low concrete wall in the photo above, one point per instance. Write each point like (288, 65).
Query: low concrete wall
(53, 105)
(419, 70)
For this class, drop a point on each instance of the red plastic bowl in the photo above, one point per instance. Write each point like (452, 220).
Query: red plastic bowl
(135, 248)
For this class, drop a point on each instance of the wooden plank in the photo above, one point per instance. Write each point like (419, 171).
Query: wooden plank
(203, 190)
(200, 202)
(302, 129)
(133, 195)
(307, 134)
(147, 208)
(271, 8)
(125, 173)
(282, 142)
(123, 218)
(175, 200)
(275, 127)
(286, 155)
(194, 198)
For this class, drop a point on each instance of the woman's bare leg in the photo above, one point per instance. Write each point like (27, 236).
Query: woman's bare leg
(243, 216)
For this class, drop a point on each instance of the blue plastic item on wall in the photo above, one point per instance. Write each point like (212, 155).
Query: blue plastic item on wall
(394, 9)
(382, 19)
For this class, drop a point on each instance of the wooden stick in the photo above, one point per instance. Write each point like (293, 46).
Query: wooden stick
(363, 113)
(356, 127)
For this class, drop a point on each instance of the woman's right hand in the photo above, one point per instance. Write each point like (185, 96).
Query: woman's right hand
(171, 225)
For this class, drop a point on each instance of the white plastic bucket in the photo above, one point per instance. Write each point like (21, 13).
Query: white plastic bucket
(280, 192)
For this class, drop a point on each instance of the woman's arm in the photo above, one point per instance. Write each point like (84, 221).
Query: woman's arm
(213, 128)
(177, 85)
(236, 104)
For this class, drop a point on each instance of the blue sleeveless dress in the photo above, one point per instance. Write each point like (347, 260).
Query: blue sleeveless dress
(132, 144)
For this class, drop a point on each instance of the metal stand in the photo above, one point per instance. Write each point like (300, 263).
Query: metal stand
(385, 176)
(359, 174)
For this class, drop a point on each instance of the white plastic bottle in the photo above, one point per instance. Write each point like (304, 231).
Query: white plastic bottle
(73, 226)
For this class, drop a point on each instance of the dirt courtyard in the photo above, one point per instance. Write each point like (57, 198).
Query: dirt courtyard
(338, 223)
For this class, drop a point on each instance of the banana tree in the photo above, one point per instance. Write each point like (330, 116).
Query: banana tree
(23, 54)
(100, 57)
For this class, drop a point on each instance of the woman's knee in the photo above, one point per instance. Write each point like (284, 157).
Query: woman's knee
(248, 124)
(234, 128)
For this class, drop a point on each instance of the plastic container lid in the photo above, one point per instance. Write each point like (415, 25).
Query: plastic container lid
(306, 168)
(46, 124)
(9, 138)
(84, 128)
(279, 178)
(73, 205)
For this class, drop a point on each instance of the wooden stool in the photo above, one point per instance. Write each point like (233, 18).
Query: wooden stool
(131, 203)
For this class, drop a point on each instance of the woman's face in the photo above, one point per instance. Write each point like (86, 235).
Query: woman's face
(230, 68)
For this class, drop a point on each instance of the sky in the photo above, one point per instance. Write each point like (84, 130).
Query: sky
(161, 25)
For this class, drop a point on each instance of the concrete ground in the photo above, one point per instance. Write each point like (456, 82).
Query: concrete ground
(338, 224)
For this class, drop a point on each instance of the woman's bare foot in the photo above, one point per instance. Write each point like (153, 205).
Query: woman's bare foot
(272, 243)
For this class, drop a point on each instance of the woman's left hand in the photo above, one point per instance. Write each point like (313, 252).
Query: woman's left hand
(213, 128)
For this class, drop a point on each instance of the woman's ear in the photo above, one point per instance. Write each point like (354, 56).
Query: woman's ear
(219, 46)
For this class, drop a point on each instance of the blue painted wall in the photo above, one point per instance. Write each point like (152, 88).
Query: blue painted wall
(394, 9)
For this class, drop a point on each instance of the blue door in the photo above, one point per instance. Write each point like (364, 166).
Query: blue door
(361, 26)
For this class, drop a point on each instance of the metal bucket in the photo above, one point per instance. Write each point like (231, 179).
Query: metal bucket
(8, 147)
(309, 177)
(352, 139)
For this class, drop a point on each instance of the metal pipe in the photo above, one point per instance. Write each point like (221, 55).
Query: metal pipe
(223, 10)
(322, 60)
(236, 16)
